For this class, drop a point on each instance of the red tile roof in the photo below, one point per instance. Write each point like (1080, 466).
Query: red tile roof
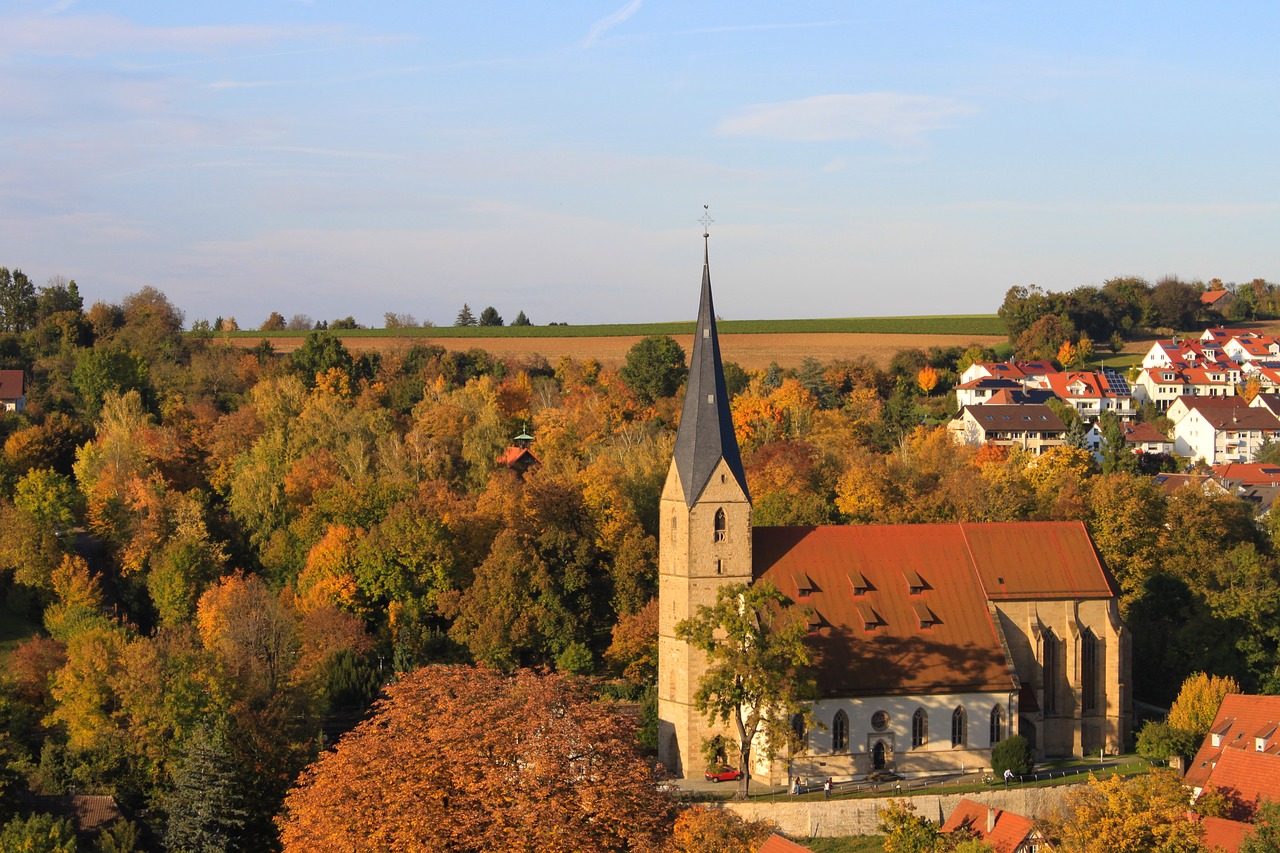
(1249, 473)
(1222, 834)
(10, 384)
(1143, 433)
(874, 636)
(515, 457)
(1239, 717)
(777, 844)
(1209, 297)
(1009, 829)
(1246, 777)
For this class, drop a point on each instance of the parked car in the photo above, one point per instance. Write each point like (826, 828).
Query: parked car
(723, 773)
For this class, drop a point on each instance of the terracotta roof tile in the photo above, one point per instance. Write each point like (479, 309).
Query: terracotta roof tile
(1009, 829)
(1249, 473)
(875, 637)
(1238, 717)
(1143, 433)
(1222, 834)
(10, 384)
(777, 844)
(1246, 776)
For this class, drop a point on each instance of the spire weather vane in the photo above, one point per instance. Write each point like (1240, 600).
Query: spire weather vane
(706, 221)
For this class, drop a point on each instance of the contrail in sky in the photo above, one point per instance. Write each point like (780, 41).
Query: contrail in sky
(610, 21)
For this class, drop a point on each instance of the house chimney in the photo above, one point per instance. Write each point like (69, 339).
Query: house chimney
(991, 820)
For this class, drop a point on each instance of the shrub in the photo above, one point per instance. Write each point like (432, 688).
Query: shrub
(1014, 754)
(1160, 741)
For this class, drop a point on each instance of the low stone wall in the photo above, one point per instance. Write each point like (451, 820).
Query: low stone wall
(826, 818)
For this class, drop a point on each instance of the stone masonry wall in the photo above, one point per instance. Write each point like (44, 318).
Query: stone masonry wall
(828, 818)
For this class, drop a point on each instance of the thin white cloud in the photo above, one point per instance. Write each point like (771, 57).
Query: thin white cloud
(97, 35)
(891, 117)
(610, 21)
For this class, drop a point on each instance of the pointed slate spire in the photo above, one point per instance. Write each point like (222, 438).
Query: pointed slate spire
(706, 427)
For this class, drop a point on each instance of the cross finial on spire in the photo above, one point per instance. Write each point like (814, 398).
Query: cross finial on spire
(706, 221)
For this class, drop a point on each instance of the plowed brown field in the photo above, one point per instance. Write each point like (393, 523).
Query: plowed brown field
(749, 351)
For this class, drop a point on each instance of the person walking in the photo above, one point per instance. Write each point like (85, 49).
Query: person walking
(826, 788)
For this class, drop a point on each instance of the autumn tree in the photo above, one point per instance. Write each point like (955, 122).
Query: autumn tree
(759, 668)
(274, 323)
(39, 833)
(464, 759)
(1198, 700)
(1133, 815)
(706, 830)
(927, 379)
(905, 831)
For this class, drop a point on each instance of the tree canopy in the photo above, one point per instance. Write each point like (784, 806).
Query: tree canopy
(467, 759)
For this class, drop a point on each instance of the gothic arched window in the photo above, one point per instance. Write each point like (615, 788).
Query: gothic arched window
(959, 727)
(840, 732)
(1088, 671)
(997, 725)
(1049, 662)
(919, 728)
(721, 525)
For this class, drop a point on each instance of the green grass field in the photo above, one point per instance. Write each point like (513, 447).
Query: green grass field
(955, 324)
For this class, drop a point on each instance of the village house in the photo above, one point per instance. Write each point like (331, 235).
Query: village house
(1034, 428)
(933, 643)
(1003, 831)
(1240, 759)
(1092, 393)
(1142, 437)
(13, 396)
(1218, 433)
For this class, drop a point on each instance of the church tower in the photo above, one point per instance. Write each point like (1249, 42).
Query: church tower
(704, 539)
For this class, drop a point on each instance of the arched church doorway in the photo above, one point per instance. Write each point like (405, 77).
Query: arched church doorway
(878, 756)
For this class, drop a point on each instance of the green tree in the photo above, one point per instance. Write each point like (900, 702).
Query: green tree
(490, 317)
(205, 809)
(1265, 836)
(521, 320)
(1013, 753)
(759, 672)
(655, 368)
(17, 301)
(465, 317)
(321, 352)
(40, 833)
(1159, 741)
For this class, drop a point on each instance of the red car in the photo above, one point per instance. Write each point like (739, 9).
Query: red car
(723, 773)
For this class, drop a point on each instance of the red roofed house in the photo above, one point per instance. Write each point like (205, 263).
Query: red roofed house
(1218, 300)
(1031, 427)
(1004, 831)
(518, 457)
(1142, 437)
(1241, 754)
(1221, 835)
(777, 844)
(933, 642)
(1222, 433)
(12, 393)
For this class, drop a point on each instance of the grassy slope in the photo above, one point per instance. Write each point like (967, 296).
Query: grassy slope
(959, 324)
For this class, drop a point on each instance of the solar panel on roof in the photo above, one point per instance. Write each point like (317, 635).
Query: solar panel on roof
(1118, 383)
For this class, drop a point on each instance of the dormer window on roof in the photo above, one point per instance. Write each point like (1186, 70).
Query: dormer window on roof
(870, 618)
(924, 614)
(915, 583)
(860, 584)
(804, 586)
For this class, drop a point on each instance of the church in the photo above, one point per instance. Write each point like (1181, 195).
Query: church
(932, 642)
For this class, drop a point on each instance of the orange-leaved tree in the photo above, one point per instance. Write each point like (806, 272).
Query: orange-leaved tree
(463, 758)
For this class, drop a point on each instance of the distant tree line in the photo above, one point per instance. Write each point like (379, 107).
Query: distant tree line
(1122, 308)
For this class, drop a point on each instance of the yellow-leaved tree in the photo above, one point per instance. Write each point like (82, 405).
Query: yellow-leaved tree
(1198, 701)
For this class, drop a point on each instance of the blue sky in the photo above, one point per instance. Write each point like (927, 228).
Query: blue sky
(860, 159)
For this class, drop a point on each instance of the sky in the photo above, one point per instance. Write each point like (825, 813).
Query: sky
(857, 159)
